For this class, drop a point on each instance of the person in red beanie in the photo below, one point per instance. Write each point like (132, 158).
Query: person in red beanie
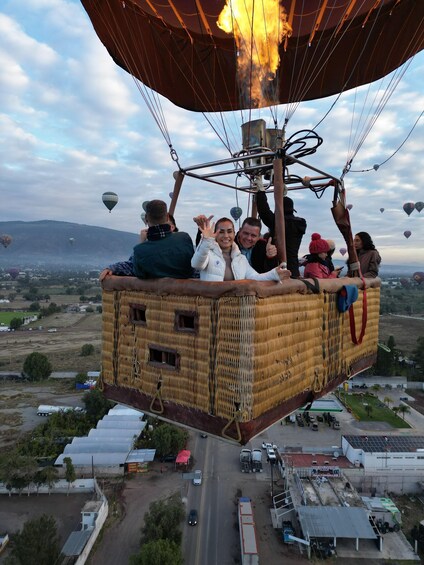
(317, 266)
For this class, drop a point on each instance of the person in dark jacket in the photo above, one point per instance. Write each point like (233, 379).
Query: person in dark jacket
(164, 253)
(295, 228)
(126, 268)
(260, 253)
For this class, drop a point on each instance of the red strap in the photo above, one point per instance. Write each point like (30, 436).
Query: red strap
(364, 318)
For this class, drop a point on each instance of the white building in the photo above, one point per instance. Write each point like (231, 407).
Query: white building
(389, 453)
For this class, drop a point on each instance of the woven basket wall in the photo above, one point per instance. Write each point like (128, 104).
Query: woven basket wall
(249, 352)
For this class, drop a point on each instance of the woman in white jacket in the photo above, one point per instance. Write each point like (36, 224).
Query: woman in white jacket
(218, 258)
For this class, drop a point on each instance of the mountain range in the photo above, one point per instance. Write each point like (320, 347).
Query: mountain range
(50, 243)
(63, 244)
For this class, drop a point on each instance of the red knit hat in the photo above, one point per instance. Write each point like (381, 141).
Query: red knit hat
(318, 245)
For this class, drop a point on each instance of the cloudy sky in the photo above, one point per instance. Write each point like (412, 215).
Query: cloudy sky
(73, 125)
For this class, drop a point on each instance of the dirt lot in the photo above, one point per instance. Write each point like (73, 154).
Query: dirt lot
(19, 402)
(66, 510)
(62, 347)
(406, 330)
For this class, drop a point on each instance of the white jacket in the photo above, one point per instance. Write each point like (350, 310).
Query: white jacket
(209, 260)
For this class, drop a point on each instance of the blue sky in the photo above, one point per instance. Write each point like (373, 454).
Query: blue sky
(73, 125)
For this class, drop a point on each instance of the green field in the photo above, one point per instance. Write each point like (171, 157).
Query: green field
(379, 411)
(5, 317)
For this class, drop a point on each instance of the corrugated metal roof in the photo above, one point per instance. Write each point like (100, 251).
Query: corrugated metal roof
(76, 543)
(335, 522)
(121, 424)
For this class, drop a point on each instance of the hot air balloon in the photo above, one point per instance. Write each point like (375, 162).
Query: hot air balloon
(143, 217)
(199, 68)
(407, 234)
(381, 210)
(409, 207)
(236, 212)
(419, 206)
(5, 240)
(13, 272)
(171, 195)
(110, 200)
(349, 206)
(144, 205)
(343, 251)
(418, 277)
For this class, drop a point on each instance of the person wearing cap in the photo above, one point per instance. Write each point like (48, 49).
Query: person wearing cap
(165, 253)
(316, 266)
(295, 227)
(126, 268)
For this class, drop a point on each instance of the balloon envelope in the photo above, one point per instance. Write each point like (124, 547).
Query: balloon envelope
(236, 212)
(110, 200)
(409, 207)
(5, 240)
(419, 206)
(418, 277)
(343, 250)
(381, 210)
(407, 234)
(13, 272)
(349, 206)
(178, 50)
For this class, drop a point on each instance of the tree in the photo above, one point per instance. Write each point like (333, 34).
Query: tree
(96, 404)
(158, 552)
(70, 475)
(38, 542)
(403, 409)
(15, 323)
(418, 355)
(50, 474)
(87, 349)
(368, 410)
(169, 439)
(387, 400)
(162, 521)
(37, 367)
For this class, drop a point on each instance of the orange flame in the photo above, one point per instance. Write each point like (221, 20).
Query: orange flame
(259, 26)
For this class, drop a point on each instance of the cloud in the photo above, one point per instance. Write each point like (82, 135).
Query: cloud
(73, 125)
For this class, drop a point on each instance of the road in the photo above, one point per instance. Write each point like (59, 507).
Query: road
(215, 503)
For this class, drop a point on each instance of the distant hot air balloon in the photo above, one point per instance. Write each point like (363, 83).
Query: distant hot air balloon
(376, 167)
(343, 250)
(144, 205)
(13, 272)
(419, 206)
(381, 210)
(110, 200)
(171, 195)
(71, 240)
(407, 234)
(236, 212)
(409, 207)
(418, 277)
(143, 217)
(5, 240)
(349, 206)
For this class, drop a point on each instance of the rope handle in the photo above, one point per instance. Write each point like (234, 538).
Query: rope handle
(355, 340)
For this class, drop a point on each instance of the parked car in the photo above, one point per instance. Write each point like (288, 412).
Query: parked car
(314, 427)
(267, 445)
(193, 517)
(203, 435)
(197, 480)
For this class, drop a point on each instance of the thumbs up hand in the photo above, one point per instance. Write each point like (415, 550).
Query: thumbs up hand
(271, 250)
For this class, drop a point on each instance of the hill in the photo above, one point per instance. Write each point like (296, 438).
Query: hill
(61, 244)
